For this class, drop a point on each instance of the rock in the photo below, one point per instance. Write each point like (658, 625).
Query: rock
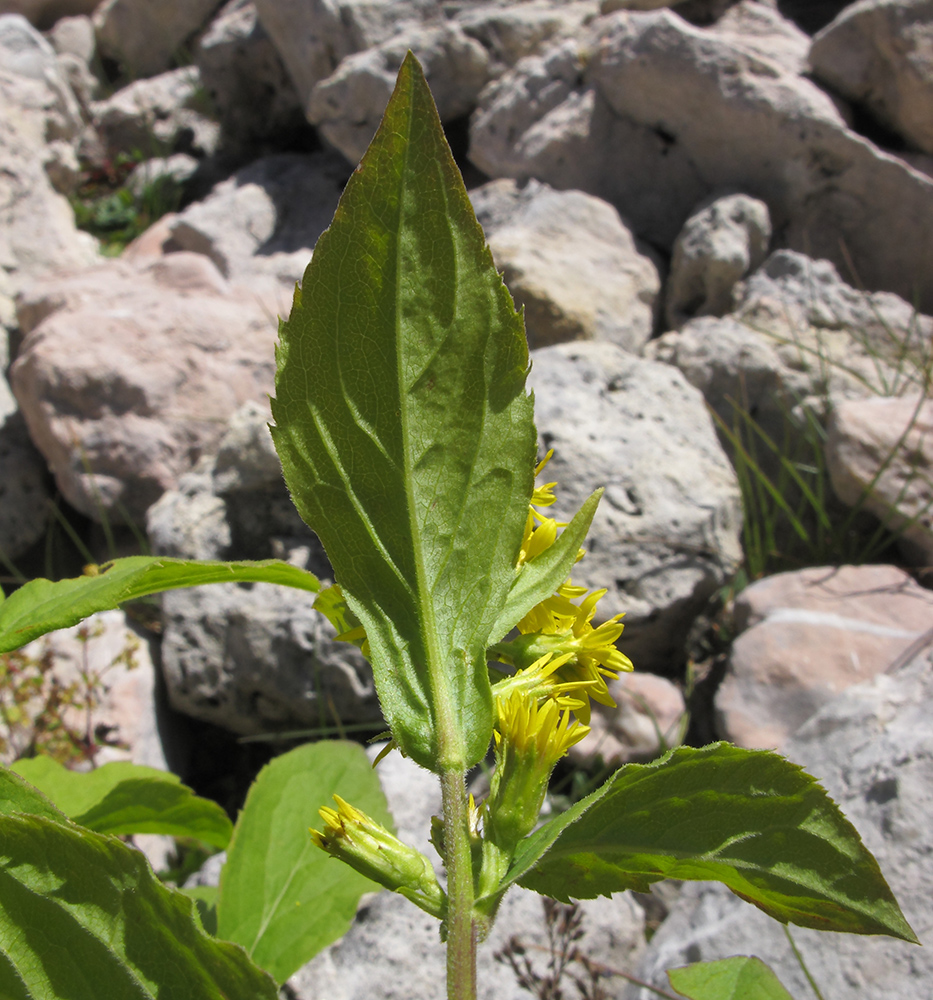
(126, 710)
(37, 230)
(170, 171)
(74, 36)
(806, 636)
(393, 950)
(570, 261)
(763, 29)
(661, 114)
(249, 87)
(650, 711)
(513, 31)
(872, 749)
(259, 659)
(24, 486)
(665, 537)
(313, 36)
(156, 116)
(61, 166)
(44, 13)
(878, 453)
(879, 53)
(348, 105)
(277, 205)
(129, 373)
(145, 38)
(720, 243)
(799, 337)
(23, 51)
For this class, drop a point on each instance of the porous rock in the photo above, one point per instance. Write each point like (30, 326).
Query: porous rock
(879, 53)
(571, 263)
(654, 114)
(665, 536)
(724, 239)
(879, 455)
(871, 747)
(129, 373)
(807, 635)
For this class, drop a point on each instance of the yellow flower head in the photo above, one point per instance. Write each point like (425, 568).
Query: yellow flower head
(541, 728)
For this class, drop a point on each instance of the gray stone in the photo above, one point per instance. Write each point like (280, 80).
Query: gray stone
(571, 263)
(249, 87)
(872, 749)
(23, 51)
(24, 485)
(348, 105)
(720, 243)
(44, 13)
(146, 37)
(170, 170)
(277, 205)
(661, 114)
(157, 116)
(665, 537)
(879, 53)
(74, 36)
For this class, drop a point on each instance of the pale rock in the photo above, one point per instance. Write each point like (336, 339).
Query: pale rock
(277, 205)
(348, 105)
(510, 32)
(647, 719)
(393, 949)
(799, 337)
(74, 36)
(129, 373)
(250, 89)
(61, 166)
(665, 536)
(144, 37)
(23, 51)
(879, 53)
(156, 116)
(807, 635)
(571, 263)
(761, 28)
(724, 239)
(85, 87)
(660, 114)
(313, 36)
(108, 651)
(871, 747)
(169, 170)
(879, 453)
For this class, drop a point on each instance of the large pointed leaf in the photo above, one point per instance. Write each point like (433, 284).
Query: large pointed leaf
(19, 796)
(121, 798)
(736, 978)
(42, 606)
(747, 818)
(404, 429)
(83, 917)
(282, 897)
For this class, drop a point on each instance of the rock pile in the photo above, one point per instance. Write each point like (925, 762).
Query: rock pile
(706, 208)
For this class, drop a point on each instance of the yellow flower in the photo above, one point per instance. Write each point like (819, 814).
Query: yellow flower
(540, 531)
(541, 728)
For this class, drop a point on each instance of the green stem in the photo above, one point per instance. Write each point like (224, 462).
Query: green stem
(802, 963)
(461, 932)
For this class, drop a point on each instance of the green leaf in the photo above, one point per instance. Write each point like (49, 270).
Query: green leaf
(281, 897)
(205, 900)
(83, 917)
(747, 818)
(404, 429)
(122, 798)
(19, 796)
(540, 577)
(736, 978)
(42, 606)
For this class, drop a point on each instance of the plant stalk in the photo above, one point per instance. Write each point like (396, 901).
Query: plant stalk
(461, 930)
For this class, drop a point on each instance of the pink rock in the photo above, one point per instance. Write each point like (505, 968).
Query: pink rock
(807, 635)
(644, 723)
(880, 452)
(130, 372)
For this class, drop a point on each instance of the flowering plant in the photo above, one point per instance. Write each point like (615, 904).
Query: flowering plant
(408, 443)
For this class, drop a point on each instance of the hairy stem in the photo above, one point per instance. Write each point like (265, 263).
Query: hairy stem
(461, 932)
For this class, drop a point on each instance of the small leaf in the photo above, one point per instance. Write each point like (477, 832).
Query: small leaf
(281, 897)
(83, 917)
(125, 798)
(540, 577)
(736, 978)
(42, 606)
(405, 432)
(747, 818)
